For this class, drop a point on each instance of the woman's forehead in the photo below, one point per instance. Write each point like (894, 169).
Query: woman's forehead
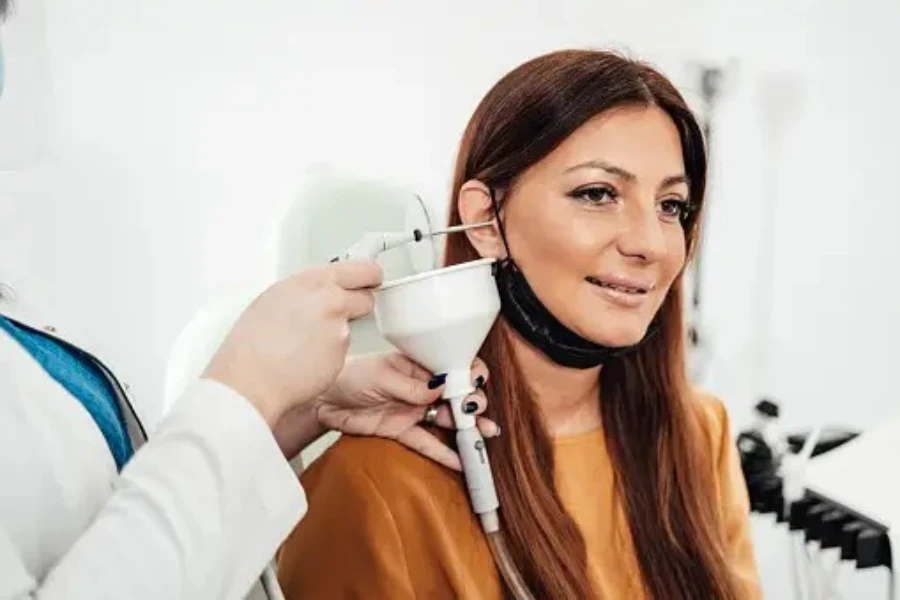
(641, 141)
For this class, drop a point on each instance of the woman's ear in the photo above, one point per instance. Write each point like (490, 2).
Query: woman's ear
(474, 206)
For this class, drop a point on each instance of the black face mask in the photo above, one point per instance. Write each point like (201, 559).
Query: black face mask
(537, 325)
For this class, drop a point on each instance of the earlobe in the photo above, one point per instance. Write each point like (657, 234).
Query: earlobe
(474, 206)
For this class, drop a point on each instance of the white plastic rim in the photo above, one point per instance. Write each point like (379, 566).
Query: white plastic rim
(441, 271)
(440, 318)
(423, 255)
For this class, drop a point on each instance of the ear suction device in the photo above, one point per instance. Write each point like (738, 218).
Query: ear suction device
(440, 318)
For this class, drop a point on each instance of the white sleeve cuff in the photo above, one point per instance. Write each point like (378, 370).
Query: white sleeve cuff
(240, 435)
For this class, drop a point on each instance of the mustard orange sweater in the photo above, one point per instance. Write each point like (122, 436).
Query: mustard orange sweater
(384, 522)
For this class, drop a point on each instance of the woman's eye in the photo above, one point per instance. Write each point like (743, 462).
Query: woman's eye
(595, 195)
(675, 209)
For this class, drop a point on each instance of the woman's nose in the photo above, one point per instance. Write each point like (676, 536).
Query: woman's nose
(642, 236)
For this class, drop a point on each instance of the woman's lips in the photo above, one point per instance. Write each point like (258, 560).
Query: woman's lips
(628, 293)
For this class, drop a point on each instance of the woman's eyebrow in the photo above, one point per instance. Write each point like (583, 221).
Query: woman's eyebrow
(605, 166)
(673, 180)
(626, 175)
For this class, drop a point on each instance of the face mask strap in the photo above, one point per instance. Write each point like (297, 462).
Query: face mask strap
(496, 206)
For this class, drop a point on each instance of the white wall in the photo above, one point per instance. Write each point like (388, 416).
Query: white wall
(178, 129)
(186, 124)
(834, 281)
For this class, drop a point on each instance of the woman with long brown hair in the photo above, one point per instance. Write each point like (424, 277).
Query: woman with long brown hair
(616, 478)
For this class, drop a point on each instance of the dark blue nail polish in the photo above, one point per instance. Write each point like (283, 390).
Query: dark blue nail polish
(479, 382)
(470, 407)
(437, 381)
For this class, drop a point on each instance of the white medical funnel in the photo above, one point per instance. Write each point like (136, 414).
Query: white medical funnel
(440, 319)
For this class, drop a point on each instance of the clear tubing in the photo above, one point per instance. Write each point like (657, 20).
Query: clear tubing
(480, 482)
(504, 561)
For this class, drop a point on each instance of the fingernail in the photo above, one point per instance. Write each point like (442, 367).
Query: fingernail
(497, 434)
(479, 382)
(470, 407)
(437, 381)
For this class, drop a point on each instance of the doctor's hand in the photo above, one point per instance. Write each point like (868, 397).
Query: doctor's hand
(387, 395)
(289, 345)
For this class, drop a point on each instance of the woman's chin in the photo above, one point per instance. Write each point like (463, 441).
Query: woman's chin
(621, 336)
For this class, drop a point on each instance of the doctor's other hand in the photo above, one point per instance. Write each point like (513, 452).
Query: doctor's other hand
(289, 345)
(386, 395)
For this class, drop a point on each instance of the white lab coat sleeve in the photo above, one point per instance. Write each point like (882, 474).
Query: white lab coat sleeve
(195, 515)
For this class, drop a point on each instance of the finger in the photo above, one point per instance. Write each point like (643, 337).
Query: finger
(358, 303)
(444, 417)
(403, 388)
(475, 404)
(487, 427)
(429, 446)
(479, 369)
(357, 274)
(418, 374)
(408, 367)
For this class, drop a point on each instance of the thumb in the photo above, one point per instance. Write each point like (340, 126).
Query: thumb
(412, 390)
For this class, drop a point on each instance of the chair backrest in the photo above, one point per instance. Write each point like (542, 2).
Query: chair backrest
(332, 212)
(197, 342)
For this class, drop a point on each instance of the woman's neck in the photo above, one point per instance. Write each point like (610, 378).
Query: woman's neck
(567, 397)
